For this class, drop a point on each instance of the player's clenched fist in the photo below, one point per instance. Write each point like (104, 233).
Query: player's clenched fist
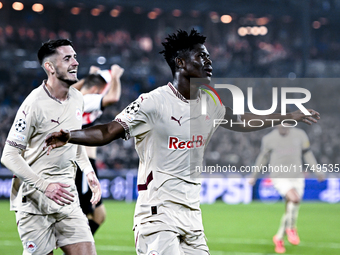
(116, 71)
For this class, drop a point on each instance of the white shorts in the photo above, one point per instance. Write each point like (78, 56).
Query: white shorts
(283, 185)
(152, 242)
(40, 234)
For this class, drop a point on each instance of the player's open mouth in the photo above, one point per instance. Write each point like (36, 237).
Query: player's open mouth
(208, 71)
(73, 72)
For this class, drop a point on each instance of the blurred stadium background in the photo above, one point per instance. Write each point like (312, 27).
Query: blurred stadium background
(246, 39)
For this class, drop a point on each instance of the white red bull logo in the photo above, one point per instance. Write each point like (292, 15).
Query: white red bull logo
(175, 143)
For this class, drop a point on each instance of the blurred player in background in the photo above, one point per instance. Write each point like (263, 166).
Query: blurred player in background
(286, 146)
(170, 137)
(100, 89)
(44, 196)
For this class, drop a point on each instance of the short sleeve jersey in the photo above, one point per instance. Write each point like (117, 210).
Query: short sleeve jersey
(286, 151)
(170, 134)
(39, 115)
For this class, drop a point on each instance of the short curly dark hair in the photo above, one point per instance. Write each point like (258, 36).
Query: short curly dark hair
(178, 44)
(49, 48)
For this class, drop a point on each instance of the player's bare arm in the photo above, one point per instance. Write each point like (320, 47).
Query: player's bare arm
(97, 135)
(273, 119)
(113, 95)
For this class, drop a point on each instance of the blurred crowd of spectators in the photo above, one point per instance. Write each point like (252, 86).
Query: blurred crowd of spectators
(145, 69)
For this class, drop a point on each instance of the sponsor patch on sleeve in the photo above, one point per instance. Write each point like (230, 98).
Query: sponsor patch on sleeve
(18, 137)
(130, 118)
(127, 117)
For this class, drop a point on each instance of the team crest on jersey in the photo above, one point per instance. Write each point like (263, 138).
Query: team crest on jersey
(31, 246)
(153, 253)
(78, 114)
(133, 108)
(20, 125)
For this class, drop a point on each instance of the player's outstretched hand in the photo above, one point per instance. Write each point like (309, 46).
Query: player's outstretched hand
(56, 139)
(57, 193)
(95, 187)
(308, 119)
(116, 71)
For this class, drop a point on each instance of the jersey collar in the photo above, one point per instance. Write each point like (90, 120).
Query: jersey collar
(176, 92)
(49, 93)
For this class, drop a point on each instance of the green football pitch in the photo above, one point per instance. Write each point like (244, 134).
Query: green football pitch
(230, 229)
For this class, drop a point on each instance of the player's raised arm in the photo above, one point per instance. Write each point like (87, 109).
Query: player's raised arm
(113, 94)
(97, 135)
(270, 120)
